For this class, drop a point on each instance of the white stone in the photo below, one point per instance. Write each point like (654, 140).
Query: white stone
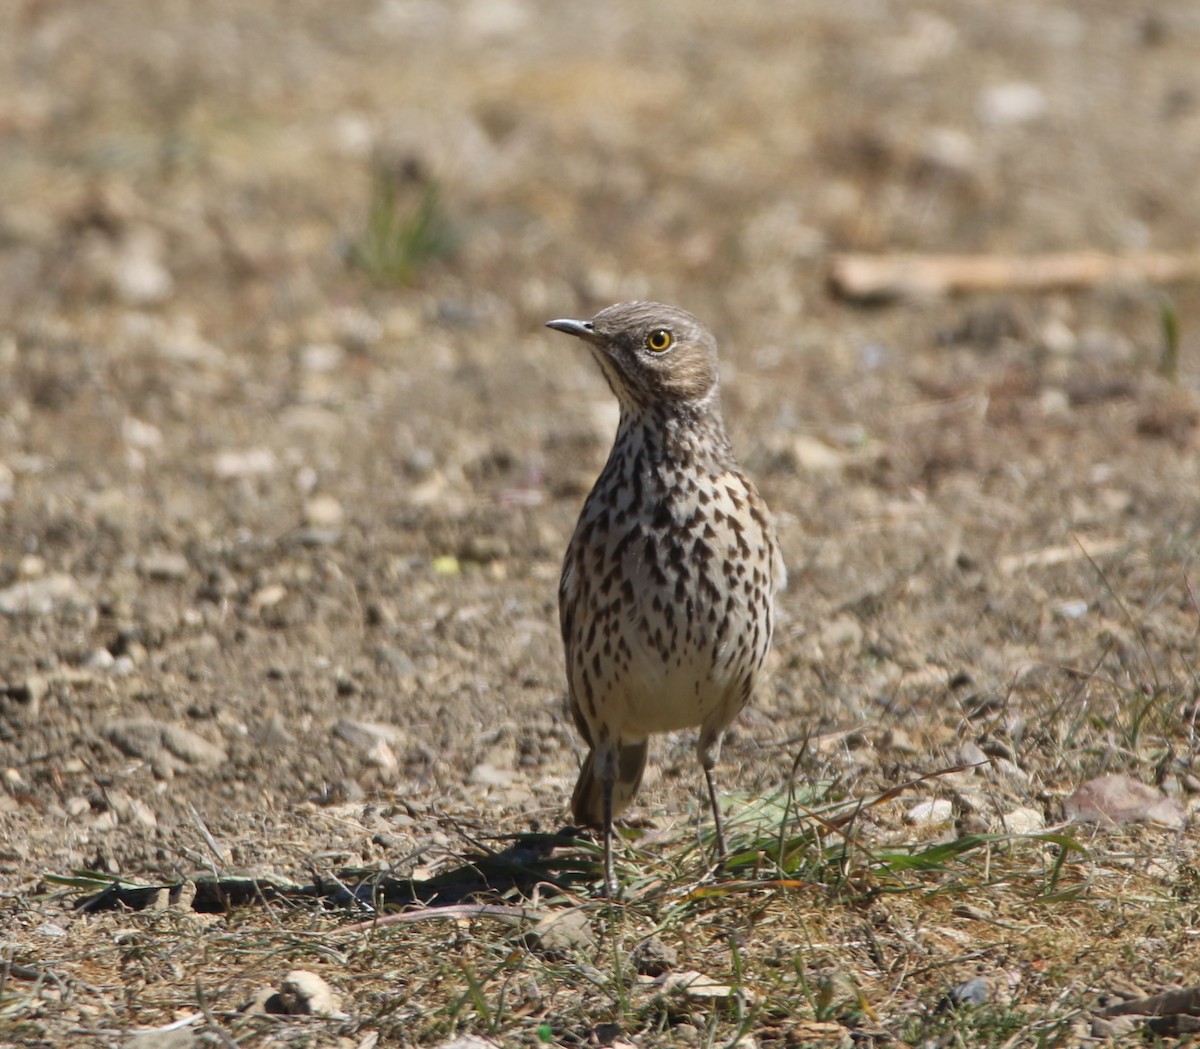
(1024, 820)
(1014, 102)
(935, 810)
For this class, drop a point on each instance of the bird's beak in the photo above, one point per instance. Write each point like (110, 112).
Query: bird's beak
(580, 329)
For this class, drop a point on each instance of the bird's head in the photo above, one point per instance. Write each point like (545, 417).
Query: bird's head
(650, 353)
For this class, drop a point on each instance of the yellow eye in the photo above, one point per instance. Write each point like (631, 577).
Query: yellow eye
(659, 340)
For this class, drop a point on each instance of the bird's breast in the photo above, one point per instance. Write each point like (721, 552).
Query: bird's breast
(666, 593)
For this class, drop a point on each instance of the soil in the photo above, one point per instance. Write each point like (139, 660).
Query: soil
(284, 494)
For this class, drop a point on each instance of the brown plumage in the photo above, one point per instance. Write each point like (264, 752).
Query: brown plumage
(667, 587)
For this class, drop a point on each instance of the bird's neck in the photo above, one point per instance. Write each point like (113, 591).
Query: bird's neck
(691, 433)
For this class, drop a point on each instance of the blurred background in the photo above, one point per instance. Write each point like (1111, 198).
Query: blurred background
(506, 157)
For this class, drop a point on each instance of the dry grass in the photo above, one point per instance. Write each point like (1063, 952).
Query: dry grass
(834, 922)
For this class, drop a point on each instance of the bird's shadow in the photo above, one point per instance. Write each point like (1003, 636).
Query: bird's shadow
(545, 864)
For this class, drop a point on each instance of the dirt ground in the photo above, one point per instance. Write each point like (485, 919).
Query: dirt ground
(288, 464)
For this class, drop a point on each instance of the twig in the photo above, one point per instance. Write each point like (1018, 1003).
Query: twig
(874, 278)
(458, 910)
(1059, 555)
(216, 1028)
(27, 972)
(139, 1032)
(209, 840)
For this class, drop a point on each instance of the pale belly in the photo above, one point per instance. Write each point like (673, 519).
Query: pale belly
(661, 696)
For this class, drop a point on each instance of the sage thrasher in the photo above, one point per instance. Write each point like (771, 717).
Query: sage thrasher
(667, 587)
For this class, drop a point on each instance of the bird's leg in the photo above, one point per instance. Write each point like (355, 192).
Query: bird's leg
(708, 750)
(722, 848)
(610, 882)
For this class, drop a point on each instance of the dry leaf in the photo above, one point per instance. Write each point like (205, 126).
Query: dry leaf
(1114, 799)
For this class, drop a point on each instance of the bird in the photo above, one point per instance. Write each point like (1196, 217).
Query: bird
(666, 598)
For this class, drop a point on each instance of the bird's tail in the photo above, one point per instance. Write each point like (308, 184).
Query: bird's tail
(587, 802)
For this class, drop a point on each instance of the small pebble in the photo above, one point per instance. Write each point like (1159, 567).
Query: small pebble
(99, 659)
(323, 511)
(935, 810)
(899, 740)
(248, 462)
(1016, 102)
(304, 993)
(972, 756)
(561, 934)
(30, 691)
(396, 661)
(973, 992)
(169, 748)
(949, 150)
(138, 276)
(368, 734)
(1112, 1028)
(1071, 609)
(697, 986)
(815, 456)
(967, 910)
(163, 564)
(487, 775)
(31, 567)
(321, 357)
(1024, 821)
(141, 435)
(40, 597)
(653, 957)
(273, 734)
(1057, 337)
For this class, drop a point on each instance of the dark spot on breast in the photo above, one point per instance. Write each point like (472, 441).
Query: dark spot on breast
(650, 550)
(623, 544)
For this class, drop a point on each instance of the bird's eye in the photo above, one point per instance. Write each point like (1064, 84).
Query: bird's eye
(659, 340)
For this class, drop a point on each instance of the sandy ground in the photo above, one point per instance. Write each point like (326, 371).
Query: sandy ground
(281, 513)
